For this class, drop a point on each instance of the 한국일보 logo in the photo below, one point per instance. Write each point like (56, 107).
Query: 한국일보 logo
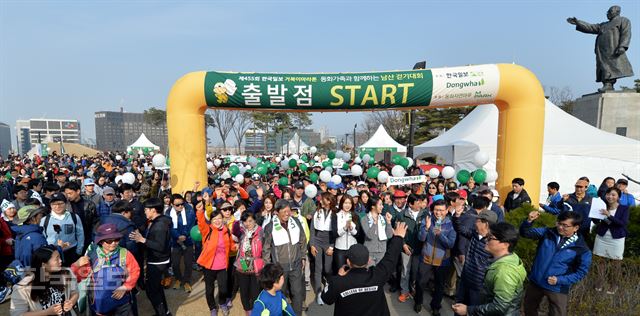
(465, 85)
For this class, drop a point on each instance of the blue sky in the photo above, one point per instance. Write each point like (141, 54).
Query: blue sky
(68, 59)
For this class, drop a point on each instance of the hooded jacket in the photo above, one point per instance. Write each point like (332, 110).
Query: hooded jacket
(503, 288)
(569, 264)
(29, 238)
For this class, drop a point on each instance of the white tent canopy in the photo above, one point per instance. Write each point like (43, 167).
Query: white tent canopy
(292, 146)
(571, 148)
(381, 141)
(143, 142)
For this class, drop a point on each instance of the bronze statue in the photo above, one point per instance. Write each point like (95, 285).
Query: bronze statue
(612, 43)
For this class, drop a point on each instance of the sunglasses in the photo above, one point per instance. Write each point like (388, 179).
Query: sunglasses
(226, 210)
(178, 205)
(580, 186)
(111, 241)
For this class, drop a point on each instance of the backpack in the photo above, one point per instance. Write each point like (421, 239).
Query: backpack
(106, 278)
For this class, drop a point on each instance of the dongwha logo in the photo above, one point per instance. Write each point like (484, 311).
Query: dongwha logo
(465, 84)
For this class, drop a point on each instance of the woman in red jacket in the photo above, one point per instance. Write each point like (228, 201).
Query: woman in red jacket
(216, 244)
(248, 263)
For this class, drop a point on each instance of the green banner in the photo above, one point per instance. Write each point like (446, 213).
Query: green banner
(330, 91)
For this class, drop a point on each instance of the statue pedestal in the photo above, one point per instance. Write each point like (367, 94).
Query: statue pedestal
(616, 112)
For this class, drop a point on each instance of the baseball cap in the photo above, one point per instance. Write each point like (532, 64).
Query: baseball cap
(58, 197)
(298, 185)
(108, 190)
(358, 255)
(398, 194)
(255, 177)
(361, 183)
(463, 193)
(88, 181)
(495, 193)
(622, 181)
(488, 215)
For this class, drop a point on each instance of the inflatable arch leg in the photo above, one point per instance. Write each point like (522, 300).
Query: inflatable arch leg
(520, 100)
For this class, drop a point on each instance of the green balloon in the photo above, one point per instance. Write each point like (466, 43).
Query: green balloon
(326, 163)
(345, 166)
(312, 162)
(195, 234)
(303, 167)
(313, 177)
(290, 171)
(305, 158)
(372, 162)
(283, 181)
(292, 163)
(396, 159)
(362, 153)
(331, 155)
(404, 162)
(372, 173)
(273, 165)
(262, 170)
(234, 170)
(463, 176)
(168, 162)
(479, 176)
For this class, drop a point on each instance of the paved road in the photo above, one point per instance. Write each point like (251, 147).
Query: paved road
(194, 304)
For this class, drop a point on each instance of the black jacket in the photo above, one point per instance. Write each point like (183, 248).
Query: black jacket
(361, 291)
(511, 204)
(158, 238)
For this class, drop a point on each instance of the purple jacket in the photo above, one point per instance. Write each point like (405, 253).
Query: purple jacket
(617, 224)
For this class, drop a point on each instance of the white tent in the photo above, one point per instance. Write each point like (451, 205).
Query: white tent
(292, 146)
(381, 141)
(571, 149)
(142, 143)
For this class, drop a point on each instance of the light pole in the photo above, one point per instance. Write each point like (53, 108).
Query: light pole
(354, 139)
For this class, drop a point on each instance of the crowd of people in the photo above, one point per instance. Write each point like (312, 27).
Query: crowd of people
(77, 237)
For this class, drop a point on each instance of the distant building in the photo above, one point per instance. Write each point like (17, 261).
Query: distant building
(256, 142)
(35, 131)
(117, 130)
(5, 140)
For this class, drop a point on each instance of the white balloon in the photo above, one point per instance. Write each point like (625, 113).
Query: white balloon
(448, 172)
(118, 179)
(217, 162)
(225, 175)
(253, 161)
(209, 165)
(337, 162)
(316, 158)
(313, 149)
(328, 169)
(294, 157)
(239, 178)
(278, 159)
(118, 157)
(480, 159)
(284, 164)
(366, 158)
(151, 153)
(356, 170)
(158, 160)
(233, 164)
(339, 154)
(398, 171)
(410, 162)
(383, 176)
(311, 191)
(336, 179)
(129, 178)
(140, 152)
(434, 173)
(325, 176)
(243, 169)
(247, 167)
(346, 156)
(357, 160)
(492, 176)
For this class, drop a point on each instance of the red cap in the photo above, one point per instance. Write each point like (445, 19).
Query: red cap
(463, 193)
(399, 194)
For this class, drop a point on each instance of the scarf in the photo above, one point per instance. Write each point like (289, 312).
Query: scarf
(569, 240)
(320, 219)
(280, 236)
(382, 225)
(174, 217)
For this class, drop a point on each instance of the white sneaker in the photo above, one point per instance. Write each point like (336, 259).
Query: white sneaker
(319, 300)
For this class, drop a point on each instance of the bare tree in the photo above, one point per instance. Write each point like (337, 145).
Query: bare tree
(562, 97)
(368, 127)
(392, 120)
(224, 121)
(240, 126)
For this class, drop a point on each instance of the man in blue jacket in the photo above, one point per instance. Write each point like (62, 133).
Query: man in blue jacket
(183, 219)
(553, 188)
(28, 231)
(562, 259)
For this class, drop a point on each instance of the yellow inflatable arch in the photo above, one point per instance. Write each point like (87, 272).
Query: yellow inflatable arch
(514, 89)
